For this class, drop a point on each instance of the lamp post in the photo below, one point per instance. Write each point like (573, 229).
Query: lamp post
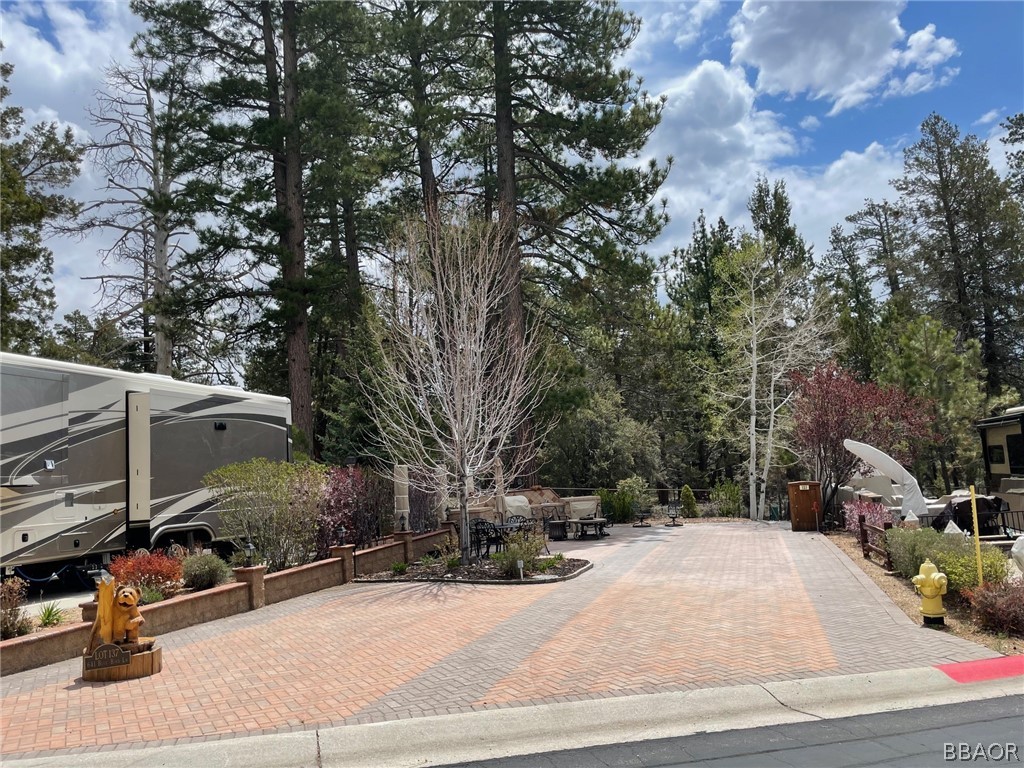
(401, 523)
(339, 532)
(249, 550)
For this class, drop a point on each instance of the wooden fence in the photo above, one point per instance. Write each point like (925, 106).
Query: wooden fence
(867, 547)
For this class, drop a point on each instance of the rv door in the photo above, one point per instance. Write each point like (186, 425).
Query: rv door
(138, 470)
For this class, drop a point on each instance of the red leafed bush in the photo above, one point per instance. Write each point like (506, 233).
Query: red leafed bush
(155, 570)
(999, 607)
(874, 514)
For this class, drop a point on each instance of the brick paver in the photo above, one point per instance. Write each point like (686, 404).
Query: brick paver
(663, 609)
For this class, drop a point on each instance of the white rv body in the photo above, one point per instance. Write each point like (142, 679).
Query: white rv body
(93, 460)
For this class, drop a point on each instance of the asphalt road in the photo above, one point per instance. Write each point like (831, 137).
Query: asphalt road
(987, 732)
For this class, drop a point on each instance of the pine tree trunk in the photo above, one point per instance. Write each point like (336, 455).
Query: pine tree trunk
(161, 283)
(288, 197)
(354, 298)
(420, 107)
(514, 315)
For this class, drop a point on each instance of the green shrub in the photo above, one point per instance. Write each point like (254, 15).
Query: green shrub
(151, 595)
(999, 607)
(907, 548)
(273, 504)
(204, 571)
(727, 497)
(50, 615)
(449, 553)
(13, 621)
(688, 502)
(399, 568)
(637, 490)
(961, 565)
(525, 546)
(952, 554)
(428, 560)
(616, 506)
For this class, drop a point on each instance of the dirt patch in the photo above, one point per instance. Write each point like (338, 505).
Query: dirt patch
(484, 570)
(902, 592)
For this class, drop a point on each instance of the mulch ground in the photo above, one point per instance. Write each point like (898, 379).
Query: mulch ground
(484, 570)
(958, 614)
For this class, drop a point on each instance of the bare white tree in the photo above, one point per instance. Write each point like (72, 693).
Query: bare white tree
(775, 329)
(449, 392)
(143, 116)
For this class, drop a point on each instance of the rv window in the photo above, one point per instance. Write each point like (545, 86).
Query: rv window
(31, 400)
(1015, 448)
(996, 454)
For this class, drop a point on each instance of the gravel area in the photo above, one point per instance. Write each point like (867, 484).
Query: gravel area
(901, 592)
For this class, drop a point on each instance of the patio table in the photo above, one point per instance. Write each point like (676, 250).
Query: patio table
(580, 525)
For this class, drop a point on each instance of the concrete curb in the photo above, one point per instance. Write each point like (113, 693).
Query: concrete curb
(528, 730)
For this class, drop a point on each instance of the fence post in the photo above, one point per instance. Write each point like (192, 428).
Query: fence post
(253, 577)
(345, 554)
(863, 537)
(406, 538)
(886, 527)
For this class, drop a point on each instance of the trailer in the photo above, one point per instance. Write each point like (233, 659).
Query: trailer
(1002, 443)
(96, 461)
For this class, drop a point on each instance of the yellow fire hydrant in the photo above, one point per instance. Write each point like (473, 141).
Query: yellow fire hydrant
(931, 585)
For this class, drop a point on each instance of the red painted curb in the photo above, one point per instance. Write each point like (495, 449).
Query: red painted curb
(985, 669)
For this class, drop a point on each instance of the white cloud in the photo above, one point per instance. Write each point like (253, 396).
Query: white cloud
(810, 123)
(920, 82)
(692, 21)
(840, 52)
(722, 142)
(989, 117)
(682, 23)
(822, 198)
(54, 82)
(925, 51)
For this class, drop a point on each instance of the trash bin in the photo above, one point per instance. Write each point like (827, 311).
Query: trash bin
(805, 505)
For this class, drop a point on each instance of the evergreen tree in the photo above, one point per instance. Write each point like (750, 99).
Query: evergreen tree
(925, 362)
(1014, 126)
(849, 286)
(770, 212)
(34, 163)
(253, 156)
(968, 240)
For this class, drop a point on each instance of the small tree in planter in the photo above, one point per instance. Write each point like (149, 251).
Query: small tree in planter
(274, 505)
(450, 390)
(360, 502)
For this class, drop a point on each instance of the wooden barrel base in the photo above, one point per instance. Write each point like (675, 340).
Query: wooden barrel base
(142, 664)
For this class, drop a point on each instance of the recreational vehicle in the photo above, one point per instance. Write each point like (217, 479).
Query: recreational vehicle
(1002, 441)
(95, 461)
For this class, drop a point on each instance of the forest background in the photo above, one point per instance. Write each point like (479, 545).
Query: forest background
(259, 157)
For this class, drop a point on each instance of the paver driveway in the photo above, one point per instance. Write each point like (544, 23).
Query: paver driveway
(664, 609)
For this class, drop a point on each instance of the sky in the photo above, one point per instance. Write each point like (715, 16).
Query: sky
(824, 96)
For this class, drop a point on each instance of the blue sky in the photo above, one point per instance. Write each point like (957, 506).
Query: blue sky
(822, 95)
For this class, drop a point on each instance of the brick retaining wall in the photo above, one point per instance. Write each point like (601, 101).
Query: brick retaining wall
(379, 558)
(251, 591)
(428, 542)
(284, 585)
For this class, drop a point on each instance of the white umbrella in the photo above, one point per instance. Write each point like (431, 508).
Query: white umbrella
(913, 499)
